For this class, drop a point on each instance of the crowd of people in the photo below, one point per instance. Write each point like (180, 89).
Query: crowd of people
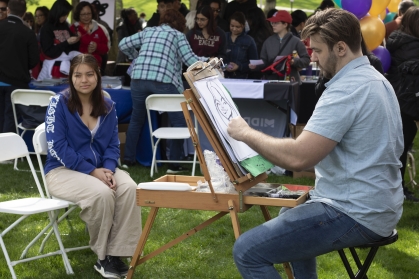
(357, 138)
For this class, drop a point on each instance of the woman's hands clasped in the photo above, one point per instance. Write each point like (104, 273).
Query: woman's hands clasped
(106, 176)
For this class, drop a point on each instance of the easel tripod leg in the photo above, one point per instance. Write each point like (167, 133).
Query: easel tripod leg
(234, 218)
(143, 239)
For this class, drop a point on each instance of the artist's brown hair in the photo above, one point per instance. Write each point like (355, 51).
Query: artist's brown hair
(334, 25)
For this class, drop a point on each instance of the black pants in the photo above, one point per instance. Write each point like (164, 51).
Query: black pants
(409, 133)
(7, 122)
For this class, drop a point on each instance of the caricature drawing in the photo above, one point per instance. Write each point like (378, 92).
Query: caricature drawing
(225, 109)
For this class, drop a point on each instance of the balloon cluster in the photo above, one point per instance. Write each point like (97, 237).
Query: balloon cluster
(372, 15)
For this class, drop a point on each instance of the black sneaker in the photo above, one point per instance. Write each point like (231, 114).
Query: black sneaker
(410, 197)
(176, 169)
(108, 267)
(121, 266)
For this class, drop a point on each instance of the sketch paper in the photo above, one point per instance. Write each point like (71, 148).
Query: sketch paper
(222, 109)
(256, 62)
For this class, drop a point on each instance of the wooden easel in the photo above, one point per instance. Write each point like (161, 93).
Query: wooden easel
(224, 203)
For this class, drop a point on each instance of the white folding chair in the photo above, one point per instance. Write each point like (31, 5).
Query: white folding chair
(12, 146)
(167, 103)
(41, 148)
(28, 97)
(106, 94)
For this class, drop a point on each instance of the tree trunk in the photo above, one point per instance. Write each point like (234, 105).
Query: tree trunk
(269, 5)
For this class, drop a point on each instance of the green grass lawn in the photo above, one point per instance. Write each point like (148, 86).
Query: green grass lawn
(207, 254)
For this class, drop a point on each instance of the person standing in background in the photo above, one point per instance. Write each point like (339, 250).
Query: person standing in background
(41, 16)
(181, 7)
(206, 38)
(282, 43)
(29, 19)
(3, 9)
(240, 48)
(93, 38)
(403, 45)
(57, 40)
(18, 54)
(216, 8)
(299, 19)
(162, 6)
(157, 69)
(129, 26)
(395, 24)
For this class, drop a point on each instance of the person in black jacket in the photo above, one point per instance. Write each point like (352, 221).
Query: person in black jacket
(18, 54)
(403, 45)
(162, 6)
(56, 38)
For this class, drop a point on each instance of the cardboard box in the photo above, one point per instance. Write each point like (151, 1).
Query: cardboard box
(122, 135)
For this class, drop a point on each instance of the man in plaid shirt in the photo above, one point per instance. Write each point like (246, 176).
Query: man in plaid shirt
(157, 69)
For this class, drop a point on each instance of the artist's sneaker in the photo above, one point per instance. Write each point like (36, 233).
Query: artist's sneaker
(108, 267)
(408, 195)
(121, 266)
(176, 169)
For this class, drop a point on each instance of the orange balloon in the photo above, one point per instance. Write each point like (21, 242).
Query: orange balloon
(378, 6)
(393, 6)
(383, 14)
(373, 31)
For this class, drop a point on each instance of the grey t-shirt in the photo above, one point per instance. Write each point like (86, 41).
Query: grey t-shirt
(360, 177)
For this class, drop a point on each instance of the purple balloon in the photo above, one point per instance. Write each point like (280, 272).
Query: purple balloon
(384, 55)
(358, 7)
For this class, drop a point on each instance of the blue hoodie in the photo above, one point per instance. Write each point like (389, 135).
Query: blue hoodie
(70, 142)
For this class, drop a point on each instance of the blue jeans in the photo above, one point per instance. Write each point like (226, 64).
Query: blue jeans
(140, 90)
(297, 235)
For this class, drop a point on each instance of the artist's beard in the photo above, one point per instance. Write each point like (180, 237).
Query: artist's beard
(329, 67)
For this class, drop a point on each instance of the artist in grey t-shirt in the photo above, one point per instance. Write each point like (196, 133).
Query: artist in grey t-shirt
(362, 182)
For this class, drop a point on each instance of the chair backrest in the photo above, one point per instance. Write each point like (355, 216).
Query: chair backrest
(39, 140)
(165, 102)
(28, 97)
(12, 146)
(40, 146)
(106, 94)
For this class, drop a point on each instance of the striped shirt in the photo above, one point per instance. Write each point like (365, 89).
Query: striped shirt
(162, 51)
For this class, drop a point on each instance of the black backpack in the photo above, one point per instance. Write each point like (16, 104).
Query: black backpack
(407, 89)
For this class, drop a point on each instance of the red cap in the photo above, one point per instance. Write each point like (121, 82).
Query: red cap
(281, 15)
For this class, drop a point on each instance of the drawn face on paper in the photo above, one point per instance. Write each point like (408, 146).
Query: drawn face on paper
(225, 109)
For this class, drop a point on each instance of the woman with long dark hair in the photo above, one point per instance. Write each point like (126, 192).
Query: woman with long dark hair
(41, 16)
(83, 150)
(240, 48)
(259, 27)
(206, 39)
